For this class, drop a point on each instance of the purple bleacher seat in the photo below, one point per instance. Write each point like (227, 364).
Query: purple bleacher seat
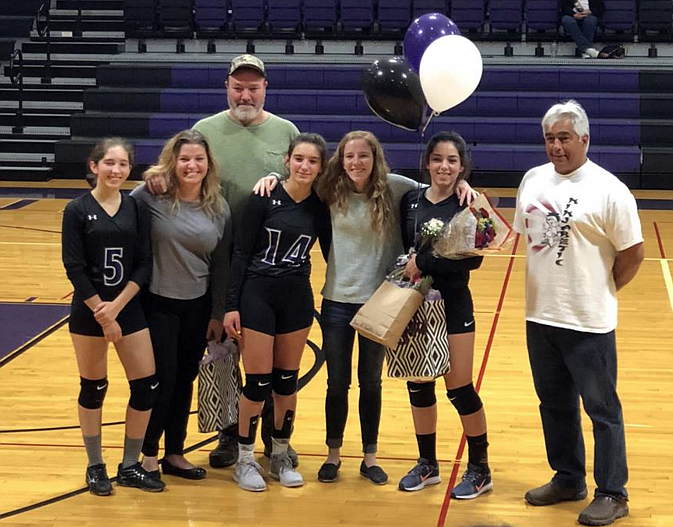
(167, 125)
(620, 15)
(247, 15)
(421, 7)
(394, 15)
(210, 14)
(284, 14)
(320, 14)
(541, 15)
(506, 14)
(469, 15)
(357, 15)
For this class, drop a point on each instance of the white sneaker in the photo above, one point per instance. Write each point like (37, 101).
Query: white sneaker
(282, 470)
(592, 52)
(586, 56)
(248, 475)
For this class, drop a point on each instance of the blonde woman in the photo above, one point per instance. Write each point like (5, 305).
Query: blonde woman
(191, 238)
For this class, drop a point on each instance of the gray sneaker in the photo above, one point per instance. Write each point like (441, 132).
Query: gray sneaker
(248, 475)
(604, 510)
(281, 469)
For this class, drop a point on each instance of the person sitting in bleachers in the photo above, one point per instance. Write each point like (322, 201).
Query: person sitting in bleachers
(580, 19)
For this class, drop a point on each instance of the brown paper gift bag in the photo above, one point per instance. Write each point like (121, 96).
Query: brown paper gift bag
(384, 317)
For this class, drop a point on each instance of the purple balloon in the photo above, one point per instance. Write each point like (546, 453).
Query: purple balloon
(424, 31)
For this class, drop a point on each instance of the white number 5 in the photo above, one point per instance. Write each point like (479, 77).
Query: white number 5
(114, 270)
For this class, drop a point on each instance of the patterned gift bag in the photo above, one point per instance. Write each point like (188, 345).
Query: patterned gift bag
(219, 390)
(423, 351)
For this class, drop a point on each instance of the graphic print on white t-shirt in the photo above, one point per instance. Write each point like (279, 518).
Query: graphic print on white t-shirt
(548, 225)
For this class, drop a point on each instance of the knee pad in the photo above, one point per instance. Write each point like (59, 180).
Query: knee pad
(144, 393)
(285, 381)
(92, 393)
(465, 399)
(422, 394)
(257, 386)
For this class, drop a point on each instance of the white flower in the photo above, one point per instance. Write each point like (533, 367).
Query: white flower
(432, 227)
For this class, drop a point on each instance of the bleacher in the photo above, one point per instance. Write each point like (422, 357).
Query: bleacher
(630, 106)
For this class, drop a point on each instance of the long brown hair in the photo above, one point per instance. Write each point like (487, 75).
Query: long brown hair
(98, 152)
(212, 202)
(334, 187)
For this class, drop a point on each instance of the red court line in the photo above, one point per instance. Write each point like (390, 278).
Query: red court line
(68, 295)
(480, 377)
(659, 240)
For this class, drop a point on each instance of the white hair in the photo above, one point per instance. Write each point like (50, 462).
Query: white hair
(571, 110)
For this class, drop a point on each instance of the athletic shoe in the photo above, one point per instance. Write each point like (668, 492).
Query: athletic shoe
(552, 493)
(475, 482)
(375, 474)
(294, 457)
(421, 475)
(225, 453)
(281, 469)
(604, 510)
(136, 476)
(248, 475)
(98, 480)
(592, 52)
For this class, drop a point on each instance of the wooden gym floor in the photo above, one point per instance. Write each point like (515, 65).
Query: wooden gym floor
(42, 460)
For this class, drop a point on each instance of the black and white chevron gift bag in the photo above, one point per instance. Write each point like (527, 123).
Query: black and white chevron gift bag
(423, 351)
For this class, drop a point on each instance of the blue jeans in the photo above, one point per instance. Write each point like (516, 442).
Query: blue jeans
(567, 364)
(582, 31)
(338, 338)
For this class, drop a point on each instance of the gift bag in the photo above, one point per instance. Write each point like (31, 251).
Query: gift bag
(219, 387)
(385, 315)
(423, 351)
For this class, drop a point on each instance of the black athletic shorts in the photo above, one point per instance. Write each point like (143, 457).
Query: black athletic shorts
(82, 322)
(276, 305)
(459, 310)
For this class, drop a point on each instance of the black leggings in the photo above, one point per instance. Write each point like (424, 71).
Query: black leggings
(178, 330)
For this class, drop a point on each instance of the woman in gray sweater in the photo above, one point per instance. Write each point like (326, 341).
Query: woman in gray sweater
(191, 242)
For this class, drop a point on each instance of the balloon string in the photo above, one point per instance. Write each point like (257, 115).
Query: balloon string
(428, 121)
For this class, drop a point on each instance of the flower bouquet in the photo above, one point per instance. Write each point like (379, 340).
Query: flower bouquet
(477, 230)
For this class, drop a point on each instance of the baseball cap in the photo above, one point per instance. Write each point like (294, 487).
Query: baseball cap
(247, 61)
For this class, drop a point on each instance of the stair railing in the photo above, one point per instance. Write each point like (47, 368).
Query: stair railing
(43, 21)
(16, 77)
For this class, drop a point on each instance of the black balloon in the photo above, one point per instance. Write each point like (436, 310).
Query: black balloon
(393, 92)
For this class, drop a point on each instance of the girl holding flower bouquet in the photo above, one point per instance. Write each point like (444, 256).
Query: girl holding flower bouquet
(364, 204)
(424, 212)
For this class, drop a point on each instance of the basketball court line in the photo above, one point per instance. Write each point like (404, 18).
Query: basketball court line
(482, 371)
(665, 268)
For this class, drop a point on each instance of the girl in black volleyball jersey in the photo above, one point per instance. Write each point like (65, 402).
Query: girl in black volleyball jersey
(107, 257)
(446, 161)
(270, 304)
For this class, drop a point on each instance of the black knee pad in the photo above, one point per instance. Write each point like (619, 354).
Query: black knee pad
(144, 393)
(422, 394)
(285, 381)
(257, 386)
(92, 393)
(465, 399)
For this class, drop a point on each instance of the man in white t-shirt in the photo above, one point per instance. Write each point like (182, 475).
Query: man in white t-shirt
(584, 243)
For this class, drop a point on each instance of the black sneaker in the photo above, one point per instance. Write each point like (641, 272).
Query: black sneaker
(136, 476)
(552, 493)
(98, 480)
(225, 453)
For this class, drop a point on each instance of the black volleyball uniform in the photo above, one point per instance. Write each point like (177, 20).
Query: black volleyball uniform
(450, 277)
(101, 254)
(269, 283)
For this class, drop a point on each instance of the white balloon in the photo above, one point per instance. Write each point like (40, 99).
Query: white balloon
(450, 71)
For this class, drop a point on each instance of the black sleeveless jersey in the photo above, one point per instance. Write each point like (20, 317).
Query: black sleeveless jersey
(275, 238)
(101, 253)
(416, 210)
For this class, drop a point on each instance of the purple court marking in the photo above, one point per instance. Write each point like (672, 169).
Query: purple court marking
(18, 204)
(20, 323)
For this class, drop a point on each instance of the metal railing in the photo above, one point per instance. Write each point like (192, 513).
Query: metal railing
(16, 77)
(42, 23)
